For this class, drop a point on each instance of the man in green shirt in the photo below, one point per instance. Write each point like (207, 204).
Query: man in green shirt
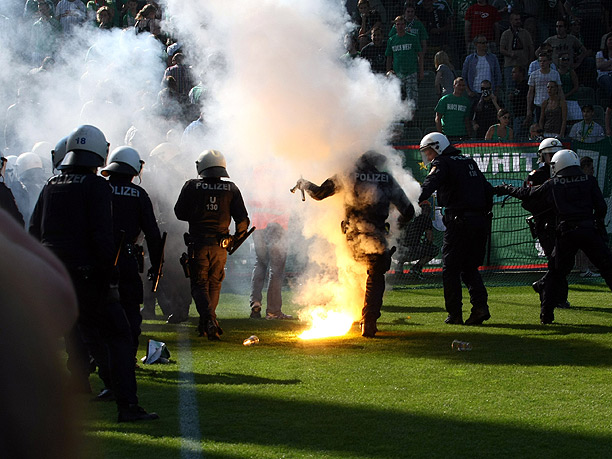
(405, 58)
(413, 26)
(453, 113)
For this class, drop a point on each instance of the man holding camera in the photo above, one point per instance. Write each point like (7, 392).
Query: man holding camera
(485, 111)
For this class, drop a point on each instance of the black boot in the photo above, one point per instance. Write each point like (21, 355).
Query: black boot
(212, 332)
(133, 413)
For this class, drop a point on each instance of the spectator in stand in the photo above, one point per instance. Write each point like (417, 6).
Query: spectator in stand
(603, 61)
(544, 49)
(70, 13)
(182, 75)
(413, 26)
(479, 66)
(374, 52)
(518, 102)
(501, 132)
(438, 25)
(587, 130)
(405, 58)
(45, 33)
(485, 111)
(554, 112)
(516, 47)
(445, 74)
(587, 73)
(536, 133)
(570, 85)
(351, 44)
(103, 18)
(529, 16)
(146, 20)
(564, 43)
(453, 113)
(131, 10)
(538, 91)
(548, 13)
(480, 19)
(590, 12)
(368, 19)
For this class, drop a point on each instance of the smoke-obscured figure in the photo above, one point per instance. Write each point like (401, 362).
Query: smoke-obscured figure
(73, 218)
(7, 200)
(209, 204)
(368, 193)
(132, 215)
(270, 242)
(468, 200)
(32, 178)
(580, 211)
(417, 242)
(173, 295)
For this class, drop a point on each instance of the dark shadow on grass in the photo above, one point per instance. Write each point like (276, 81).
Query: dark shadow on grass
(496, 349)
(355, 431)
(298, 428)
(232, 379)
(592, 309)
(411, 309)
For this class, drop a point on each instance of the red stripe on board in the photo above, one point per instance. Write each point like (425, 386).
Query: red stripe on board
(490, 268)
(480, 145)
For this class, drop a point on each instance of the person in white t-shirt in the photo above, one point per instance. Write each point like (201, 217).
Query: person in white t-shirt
(537, 86)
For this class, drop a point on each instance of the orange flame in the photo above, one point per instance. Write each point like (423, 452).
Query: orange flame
(326, 324)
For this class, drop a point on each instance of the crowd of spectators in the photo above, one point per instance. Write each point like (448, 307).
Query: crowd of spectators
(515, 48)
(509, 50)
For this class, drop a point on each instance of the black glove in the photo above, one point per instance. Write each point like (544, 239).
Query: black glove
(502, 190)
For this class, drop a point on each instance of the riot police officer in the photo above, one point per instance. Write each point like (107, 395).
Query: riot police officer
(544, 220)
(132, 215)
(468, 200)
(73, 218)
(580, 209)
(208, 204)
(369, 193)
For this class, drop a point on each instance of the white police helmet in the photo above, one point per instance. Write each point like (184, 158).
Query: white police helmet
(436, 140)
(165, 151)
(563, 159)
(211, 163)
(549, 146)
(59, 152)
(86, 146)
(124, 160)
(28, 161)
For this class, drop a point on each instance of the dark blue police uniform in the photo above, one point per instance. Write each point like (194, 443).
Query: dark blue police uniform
(209, 204)
(468, 199)
(580, 210)
(132, 215)
(369, 195)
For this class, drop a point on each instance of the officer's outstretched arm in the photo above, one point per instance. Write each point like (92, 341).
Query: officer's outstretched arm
(328, 188)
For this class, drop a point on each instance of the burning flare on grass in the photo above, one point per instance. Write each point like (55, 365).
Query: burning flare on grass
(335, 296)
(326, 324)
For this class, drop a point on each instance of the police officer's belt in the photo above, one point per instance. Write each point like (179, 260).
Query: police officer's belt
(207, 239)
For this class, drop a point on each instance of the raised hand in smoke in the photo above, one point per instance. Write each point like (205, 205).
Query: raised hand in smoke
(301, 185)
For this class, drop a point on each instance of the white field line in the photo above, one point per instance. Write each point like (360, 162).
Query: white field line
(191, 438)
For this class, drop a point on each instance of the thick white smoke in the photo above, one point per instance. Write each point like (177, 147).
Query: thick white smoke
(285, 97)
(280, 102)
